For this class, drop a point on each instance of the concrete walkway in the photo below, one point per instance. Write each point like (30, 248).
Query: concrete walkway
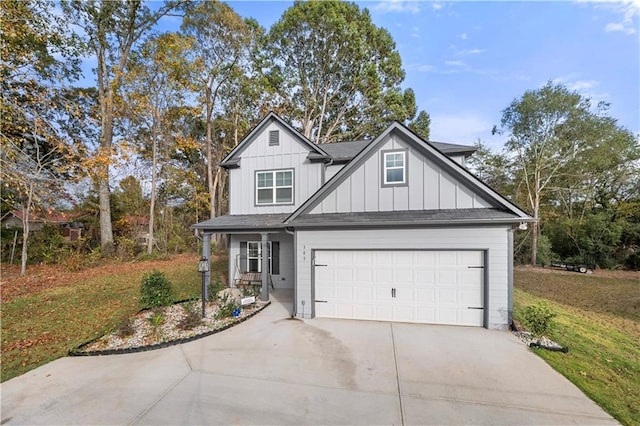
(275, 370)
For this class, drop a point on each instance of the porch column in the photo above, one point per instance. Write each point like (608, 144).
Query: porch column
(206, 252)
(264, 295)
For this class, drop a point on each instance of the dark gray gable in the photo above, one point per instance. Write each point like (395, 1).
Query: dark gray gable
(427, 149)
(232, 159)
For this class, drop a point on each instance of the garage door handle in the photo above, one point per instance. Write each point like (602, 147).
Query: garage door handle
(473, 307)
(475, 267)
(321, 301)
(319, 265)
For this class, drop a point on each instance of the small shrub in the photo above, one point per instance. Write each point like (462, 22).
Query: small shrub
(191, 317)
(251, 290)
(226, 306)
(156, 321)
(539, 318)
(125, 328)
(214, 288)
(156, 290)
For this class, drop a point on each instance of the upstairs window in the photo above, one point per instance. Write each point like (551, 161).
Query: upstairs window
(274, 138)
(394, 168)
(274, 187)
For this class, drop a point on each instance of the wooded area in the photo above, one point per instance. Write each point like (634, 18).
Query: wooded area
(125, 167)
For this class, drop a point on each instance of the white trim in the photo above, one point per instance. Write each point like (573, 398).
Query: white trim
(387, 168)
(274, 187)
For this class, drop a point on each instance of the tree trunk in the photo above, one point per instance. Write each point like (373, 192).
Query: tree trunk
(154, 162)
(106, 108)
(534, 231)
(25, 232)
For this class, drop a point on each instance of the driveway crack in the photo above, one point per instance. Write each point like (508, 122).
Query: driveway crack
(395, 359)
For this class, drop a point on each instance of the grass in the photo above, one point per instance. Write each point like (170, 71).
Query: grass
(44, 326)
(599, 321)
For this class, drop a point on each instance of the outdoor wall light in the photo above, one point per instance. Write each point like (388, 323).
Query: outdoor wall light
(203, 267)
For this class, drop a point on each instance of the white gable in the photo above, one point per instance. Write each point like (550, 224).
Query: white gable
(429, 186)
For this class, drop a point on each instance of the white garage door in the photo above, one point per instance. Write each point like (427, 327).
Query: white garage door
(436, 287)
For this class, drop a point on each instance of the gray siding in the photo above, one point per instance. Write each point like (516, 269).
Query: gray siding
(258, 155)
(492, 239)
(285, 279)
(429, 187)
(330, 171)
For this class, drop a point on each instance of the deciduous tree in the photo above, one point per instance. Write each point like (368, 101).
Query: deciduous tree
(111, 28)
(337, 74)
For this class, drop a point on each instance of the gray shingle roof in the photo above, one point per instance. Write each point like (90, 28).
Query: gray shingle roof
(244, 222)
(407, 218)
(261, 222)
(345, 151)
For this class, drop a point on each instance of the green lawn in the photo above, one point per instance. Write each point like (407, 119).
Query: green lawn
(44, 326)
(598, 320)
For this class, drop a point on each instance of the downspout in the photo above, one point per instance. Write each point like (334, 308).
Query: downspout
(294, 308)
(510, 275)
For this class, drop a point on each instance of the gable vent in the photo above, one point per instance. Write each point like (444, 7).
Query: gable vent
(274, 138)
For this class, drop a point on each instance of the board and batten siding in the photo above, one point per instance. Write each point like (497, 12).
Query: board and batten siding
(258, 156)
(493, 240)
(429, 187)
(282, 280)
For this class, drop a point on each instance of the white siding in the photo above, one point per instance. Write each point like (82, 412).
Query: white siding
(258, 155)
(282, 280)
(429, 187)
(492, 239)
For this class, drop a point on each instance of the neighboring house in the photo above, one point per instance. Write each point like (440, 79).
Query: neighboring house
(391, 229)
(68, 223)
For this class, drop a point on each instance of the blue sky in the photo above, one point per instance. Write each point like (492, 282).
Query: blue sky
(467, 60)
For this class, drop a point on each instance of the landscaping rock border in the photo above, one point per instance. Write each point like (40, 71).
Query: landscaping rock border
(79, 352)
(536, 342)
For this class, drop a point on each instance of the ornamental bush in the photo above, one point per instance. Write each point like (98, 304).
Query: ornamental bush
(539, 318)
(156, 290)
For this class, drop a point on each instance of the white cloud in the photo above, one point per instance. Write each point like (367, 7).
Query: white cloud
(581, 85)
(629, 10)
(584, 87)
(436, 6)
(464, 128)
(467, 52)
(455, 63)
(397, 6)
(463, 36)
(426, 68)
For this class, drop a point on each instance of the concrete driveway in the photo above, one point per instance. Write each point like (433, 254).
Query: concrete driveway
(274, 370)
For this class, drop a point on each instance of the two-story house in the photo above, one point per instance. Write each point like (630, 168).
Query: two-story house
(392, 229)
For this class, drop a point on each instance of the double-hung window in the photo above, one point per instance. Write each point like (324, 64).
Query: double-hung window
(394, 168)
(250, 259)
(254, 256)
(274, 187)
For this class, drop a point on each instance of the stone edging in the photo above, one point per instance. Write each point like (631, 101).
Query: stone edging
(78, 352)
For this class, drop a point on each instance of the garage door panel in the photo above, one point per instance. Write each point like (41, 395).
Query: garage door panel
(425, 276)
(364, 275)
(447, 278)
(383, 275)
(405, 313)
(364, 293)
(425, 296)
(382, 313)
(446, 258)
(430, 286)
(404, 275)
